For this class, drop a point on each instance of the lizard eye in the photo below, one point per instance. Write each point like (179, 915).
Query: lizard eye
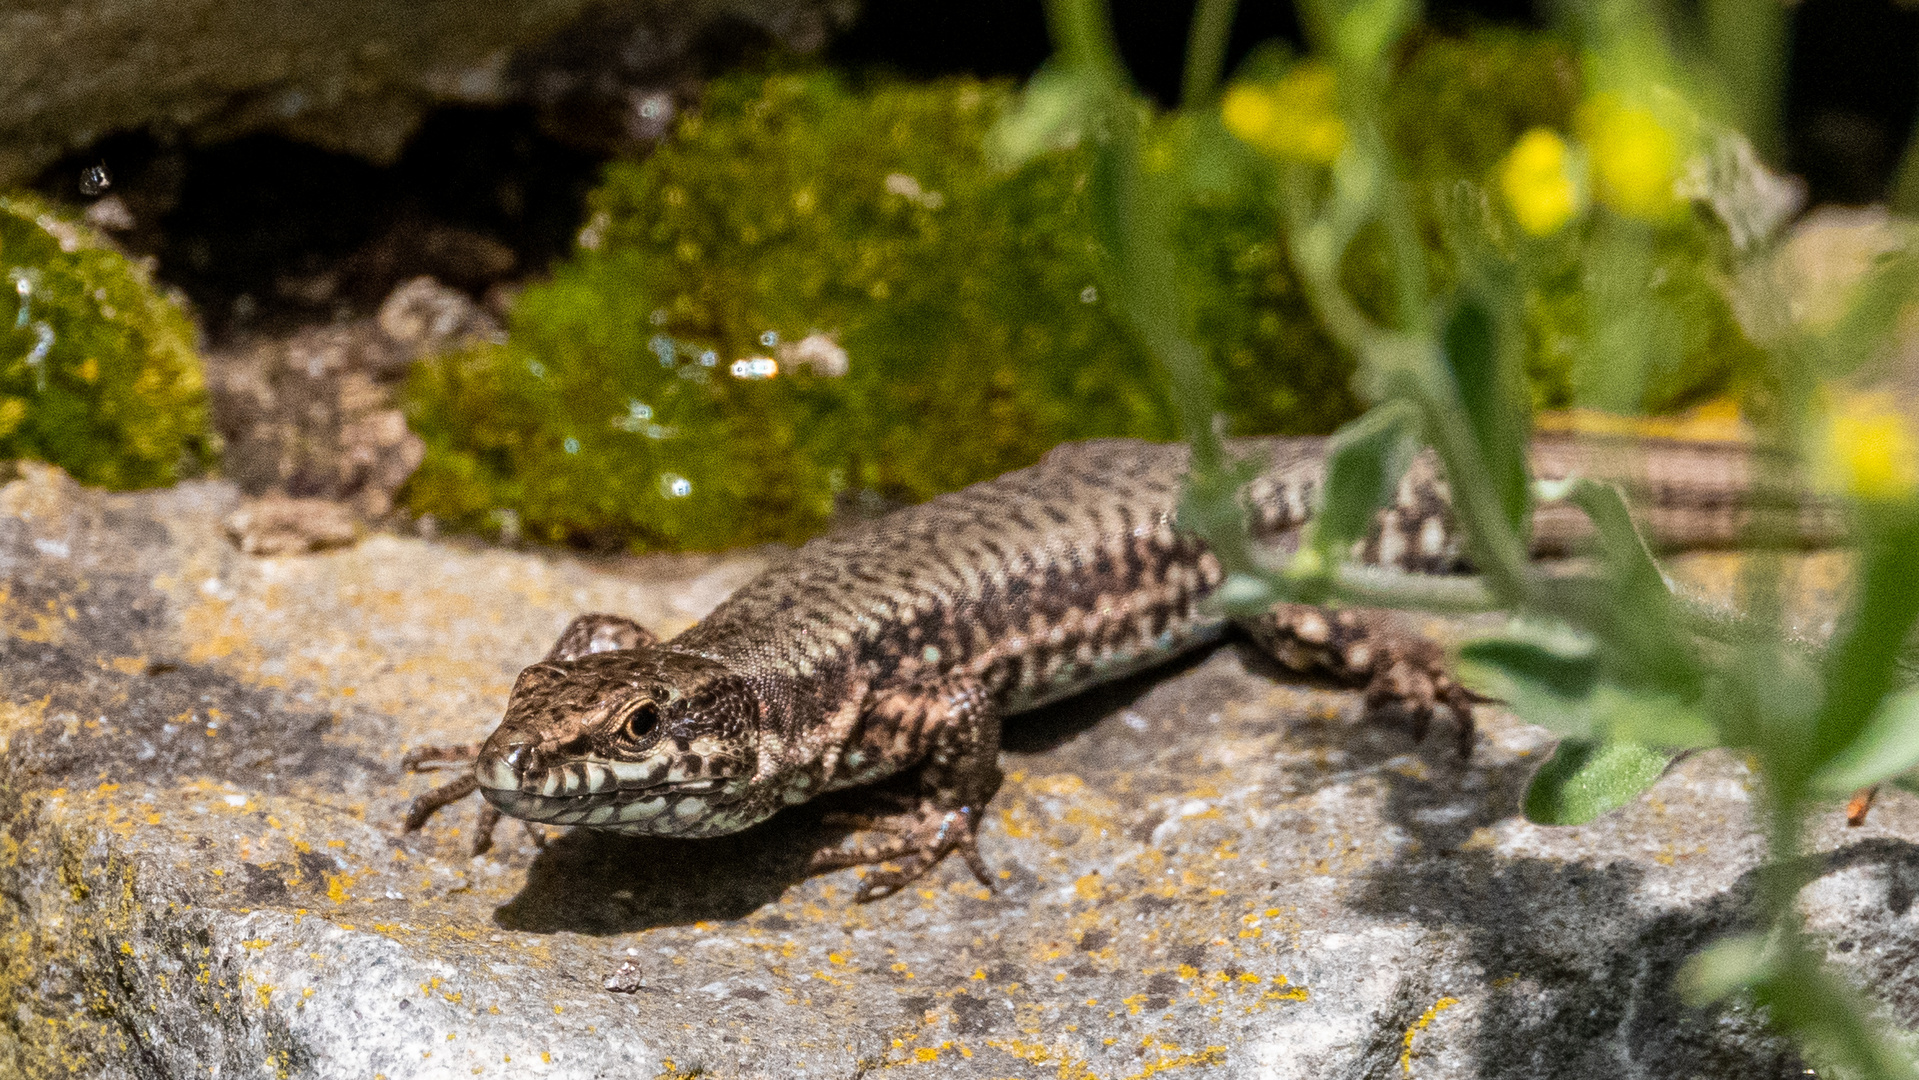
(640, 720)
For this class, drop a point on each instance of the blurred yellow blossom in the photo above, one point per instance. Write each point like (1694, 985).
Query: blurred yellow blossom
(1539, 183)
(1635, 157)
(1296, 118)
(1872, 450)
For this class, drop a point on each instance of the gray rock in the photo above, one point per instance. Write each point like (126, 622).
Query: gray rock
(354, 76)
(1211, 871)
(314, 414)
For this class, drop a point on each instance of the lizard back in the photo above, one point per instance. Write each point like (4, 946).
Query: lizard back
(1036, 584)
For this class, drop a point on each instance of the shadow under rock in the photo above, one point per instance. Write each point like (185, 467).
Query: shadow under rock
(601, 883)
(1582, 972)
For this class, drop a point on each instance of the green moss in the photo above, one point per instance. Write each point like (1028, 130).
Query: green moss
(796, 204)
(97, 370)
(790, 206)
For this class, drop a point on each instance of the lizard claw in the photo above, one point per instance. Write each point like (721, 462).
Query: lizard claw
(424, 807)
(1419, 683)
(422, 758)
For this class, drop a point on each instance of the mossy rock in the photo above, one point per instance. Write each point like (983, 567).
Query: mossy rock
(625, 407)
(98, 372)
(796, 205)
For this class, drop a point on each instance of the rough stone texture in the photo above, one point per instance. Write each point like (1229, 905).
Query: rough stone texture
(1213, 871)
(353, 76)
(277, 525)
(313, 414)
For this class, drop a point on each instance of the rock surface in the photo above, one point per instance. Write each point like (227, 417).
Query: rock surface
(1210, 872)
(354, 76)
(314, 415)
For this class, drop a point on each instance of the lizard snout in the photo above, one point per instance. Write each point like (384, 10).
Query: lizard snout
(501, 767)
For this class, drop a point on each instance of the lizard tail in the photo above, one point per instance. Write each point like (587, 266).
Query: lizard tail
(1685, 495)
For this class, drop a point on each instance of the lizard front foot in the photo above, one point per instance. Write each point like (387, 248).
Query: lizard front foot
(917, 840)
(423, 807)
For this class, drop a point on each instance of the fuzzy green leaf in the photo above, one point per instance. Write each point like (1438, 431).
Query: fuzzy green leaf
(1723, 968)
(1051, 114)
(1560, 680)
(1585, 779)
(1886, 747)
(1363, 468)
(1545, 682)
(1862, 666)
(1492, 396)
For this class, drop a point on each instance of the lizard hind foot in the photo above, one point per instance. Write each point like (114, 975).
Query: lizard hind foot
(1421, 686)
(1394, 668)
(914, 842)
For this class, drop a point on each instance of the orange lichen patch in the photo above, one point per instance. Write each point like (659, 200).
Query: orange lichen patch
(214, 632)
(1425, 1020)
(15, 717)
(1016, 822)
(28, 623)
(1211, 1055)
(1056, 784)
(336, 887)
(1070, 1066)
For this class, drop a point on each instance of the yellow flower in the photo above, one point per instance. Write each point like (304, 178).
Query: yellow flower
(1873, 452)
(1635, 158)
(1539, 183)
(1296, 118)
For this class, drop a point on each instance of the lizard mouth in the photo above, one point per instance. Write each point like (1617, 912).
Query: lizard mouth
(610, 809)
(595, 793)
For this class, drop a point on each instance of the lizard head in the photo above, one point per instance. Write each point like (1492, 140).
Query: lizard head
(644, 740)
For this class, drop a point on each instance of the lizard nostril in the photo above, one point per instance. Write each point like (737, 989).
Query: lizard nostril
(503, 767)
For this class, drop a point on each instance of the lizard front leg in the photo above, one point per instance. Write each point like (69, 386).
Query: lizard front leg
(1370, 650)
(959, 729)
(591, 633)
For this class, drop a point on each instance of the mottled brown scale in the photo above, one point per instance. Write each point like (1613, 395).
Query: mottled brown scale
(901, 643)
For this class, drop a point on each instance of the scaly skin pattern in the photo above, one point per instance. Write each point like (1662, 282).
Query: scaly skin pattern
(903, 643)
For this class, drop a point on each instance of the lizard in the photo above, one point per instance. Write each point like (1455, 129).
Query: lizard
(904, 643)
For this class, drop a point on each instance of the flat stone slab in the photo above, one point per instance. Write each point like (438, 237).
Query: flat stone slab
(1211, 871)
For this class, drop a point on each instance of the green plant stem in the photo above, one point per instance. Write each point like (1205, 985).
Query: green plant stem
(1083, 34)
(1905, 186)
(1748, 42)
(1206, 51)
(1142, 275)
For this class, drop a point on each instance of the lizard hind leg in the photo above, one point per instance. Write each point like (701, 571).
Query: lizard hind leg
(1393, 667)
(957, 730)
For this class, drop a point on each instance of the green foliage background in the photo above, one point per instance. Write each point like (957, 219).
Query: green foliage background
(798, 203)
(116, 398)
